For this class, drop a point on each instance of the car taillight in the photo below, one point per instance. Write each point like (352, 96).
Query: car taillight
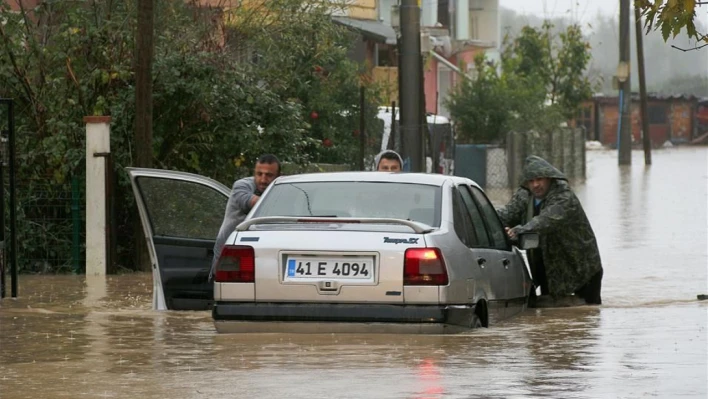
(236, 265)
(424, 266)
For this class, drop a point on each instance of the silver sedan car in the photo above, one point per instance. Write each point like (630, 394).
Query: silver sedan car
(335, 252)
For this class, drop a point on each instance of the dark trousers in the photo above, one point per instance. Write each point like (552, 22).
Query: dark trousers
(591, 290)
(538, 269)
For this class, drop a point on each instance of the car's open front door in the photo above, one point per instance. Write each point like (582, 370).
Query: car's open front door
(181, 215)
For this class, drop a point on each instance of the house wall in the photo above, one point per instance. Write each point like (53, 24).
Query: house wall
(701, 120)
(669, 120)
(681, 118)
(363, 9)
(467, 57)
(431, 84)
(484, 21)
(388, 78)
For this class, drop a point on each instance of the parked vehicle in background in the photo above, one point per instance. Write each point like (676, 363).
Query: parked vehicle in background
(439, 143)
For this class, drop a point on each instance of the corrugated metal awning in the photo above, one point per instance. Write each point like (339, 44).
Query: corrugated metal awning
(373, 30)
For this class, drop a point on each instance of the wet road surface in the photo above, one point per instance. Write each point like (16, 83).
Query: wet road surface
(73, 337)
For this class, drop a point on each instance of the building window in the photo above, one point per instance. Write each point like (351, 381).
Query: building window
(444, 13)
(386, 56)
(474, 26)
(657, 114)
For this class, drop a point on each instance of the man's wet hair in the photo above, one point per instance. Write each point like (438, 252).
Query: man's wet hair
(391, 156)
(269, 159)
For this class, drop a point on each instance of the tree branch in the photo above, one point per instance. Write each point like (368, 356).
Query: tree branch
(690, 49)
(78, 85)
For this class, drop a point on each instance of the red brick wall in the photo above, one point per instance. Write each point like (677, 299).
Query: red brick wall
(677, 124)
(682, 121)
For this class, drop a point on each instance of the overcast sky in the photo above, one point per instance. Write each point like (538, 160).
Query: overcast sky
(579, 10)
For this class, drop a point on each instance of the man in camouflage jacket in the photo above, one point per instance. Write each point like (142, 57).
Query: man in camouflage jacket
(567, 260)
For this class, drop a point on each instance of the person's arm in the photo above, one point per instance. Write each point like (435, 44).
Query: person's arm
(555, 213)
(242, 197)
(512, 214)
(253, 200)
(240, 200)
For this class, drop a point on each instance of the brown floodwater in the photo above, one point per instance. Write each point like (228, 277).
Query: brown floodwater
(73, 337)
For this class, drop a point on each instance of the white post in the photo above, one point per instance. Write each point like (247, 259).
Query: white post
(98, 145)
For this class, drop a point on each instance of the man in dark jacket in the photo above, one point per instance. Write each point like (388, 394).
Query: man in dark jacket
(567, 260)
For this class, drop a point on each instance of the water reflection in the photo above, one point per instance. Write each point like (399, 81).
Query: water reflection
(97, 337)
(428, 374)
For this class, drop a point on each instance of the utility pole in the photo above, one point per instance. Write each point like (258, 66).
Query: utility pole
(142, 136)
(625, 98)
(410, 86)
(646, 139)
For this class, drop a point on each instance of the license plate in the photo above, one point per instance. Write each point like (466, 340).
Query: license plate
(310, 268)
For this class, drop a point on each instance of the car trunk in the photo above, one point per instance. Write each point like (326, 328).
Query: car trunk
(329, 265)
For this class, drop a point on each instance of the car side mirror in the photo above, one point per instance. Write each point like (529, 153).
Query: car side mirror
(528, 240)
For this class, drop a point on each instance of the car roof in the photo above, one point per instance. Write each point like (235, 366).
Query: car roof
(387, 177)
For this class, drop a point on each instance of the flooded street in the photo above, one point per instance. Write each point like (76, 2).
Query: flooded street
(69, 337)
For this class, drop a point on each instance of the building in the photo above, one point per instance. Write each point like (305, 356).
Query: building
(453, 32)
(678, 119)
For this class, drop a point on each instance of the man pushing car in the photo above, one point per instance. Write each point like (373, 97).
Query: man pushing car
(567, 264)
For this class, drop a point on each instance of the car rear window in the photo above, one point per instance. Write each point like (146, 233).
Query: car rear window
(418, 202)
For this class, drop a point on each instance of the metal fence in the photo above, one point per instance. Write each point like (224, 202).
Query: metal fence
(50, 221)
(499, 168)
(564, 148)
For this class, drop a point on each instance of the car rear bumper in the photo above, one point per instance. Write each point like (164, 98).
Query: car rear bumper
(349, 318)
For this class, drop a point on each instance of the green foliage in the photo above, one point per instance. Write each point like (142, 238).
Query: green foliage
(215, 111)
(304, 57)
(480, 106)
(556, 63)
(539, 83)
(671, 17)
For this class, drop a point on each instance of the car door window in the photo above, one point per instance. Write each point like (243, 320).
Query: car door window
(476, 218)
(491, 218)
(462, 221)
(179, 208)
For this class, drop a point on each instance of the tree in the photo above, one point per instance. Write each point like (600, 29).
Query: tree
(480, 106)
(304, 57)
(671, 17)
(558, 63)
(214, 112)
(539, 84)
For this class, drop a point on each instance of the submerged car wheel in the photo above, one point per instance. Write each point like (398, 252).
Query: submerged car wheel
(480, 315)
(477, 322)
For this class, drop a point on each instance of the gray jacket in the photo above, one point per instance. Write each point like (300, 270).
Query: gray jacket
(237, 208)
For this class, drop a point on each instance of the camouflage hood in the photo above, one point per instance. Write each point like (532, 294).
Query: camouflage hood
(536, 167)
